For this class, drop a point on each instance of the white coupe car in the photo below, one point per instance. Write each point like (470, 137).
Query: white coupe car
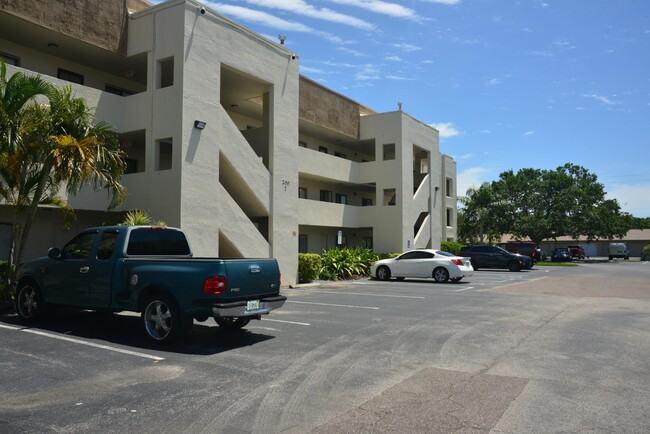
(442, 266)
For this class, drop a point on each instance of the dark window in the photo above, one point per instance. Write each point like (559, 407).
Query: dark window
(366, 202)
(131, 166)
(340, 154)
(9, 59)
(389, 151)
(366, 242)
(302, 243)
(302, 144)
(70, 76)
(117, 90)
(322, 149)
(302, 193)
(107, 245)
(342, 198)
(80, 246)
(157, 242)
(481, 249)
(325, 196)
(166, 72)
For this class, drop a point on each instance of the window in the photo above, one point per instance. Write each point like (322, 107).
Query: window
(157, 242)
(107, 245)
(70, 76)
(302, 192)
(389, 151)
(165, 72)
(117, 90)
(302, 243)
(164, 154)
(131, 166)
(342, 198)
(325, 196)
(80, 246)
(340, 155)
(302, 144)
(366, 202)
(449, 187)
(366, 242)
(390, 197)
(424, 165)
(322, 149)
(450, 217)
(9, 59)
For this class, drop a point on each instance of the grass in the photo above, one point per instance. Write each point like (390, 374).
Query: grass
(557, 264)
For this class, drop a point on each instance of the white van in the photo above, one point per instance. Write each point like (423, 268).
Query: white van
(618, 250)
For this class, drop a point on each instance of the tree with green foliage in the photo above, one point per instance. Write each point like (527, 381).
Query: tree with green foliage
(541, 204)
(477, 221)
(49, 146)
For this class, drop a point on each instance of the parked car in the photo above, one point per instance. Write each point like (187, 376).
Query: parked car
(149, 270)
(618, 250)
(561, 254)
(577, 251)
(423, 263)
(527, 248)
(486, 256)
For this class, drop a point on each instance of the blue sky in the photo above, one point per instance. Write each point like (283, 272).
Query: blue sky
(509, 84)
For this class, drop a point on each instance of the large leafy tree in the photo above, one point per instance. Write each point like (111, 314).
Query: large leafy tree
(540, 204)
(58, 149)
(478, 220)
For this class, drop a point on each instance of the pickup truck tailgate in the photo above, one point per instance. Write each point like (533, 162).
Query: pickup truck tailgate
(252, 278)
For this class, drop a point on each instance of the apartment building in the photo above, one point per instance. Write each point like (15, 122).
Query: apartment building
(226, 140)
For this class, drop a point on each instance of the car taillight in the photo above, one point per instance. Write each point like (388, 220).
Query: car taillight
(457, 261)
(215, 285)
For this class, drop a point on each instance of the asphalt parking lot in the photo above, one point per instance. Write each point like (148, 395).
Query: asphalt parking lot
(548, 350)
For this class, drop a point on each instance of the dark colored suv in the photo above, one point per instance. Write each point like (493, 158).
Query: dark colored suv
(485, 256)
(527, 248)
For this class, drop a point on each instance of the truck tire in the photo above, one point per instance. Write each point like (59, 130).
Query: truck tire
(232, 322)
(29, 302)
(514, 266)
(161, 319)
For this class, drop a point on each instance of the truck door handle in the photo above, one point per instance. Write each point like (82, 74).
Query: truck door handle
(84, 270)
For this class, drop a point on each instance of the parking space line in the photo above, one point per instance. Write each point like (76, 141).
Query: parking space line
(332, 305)
(287, 322)
(463, 289)
(362, 294)
(82, 342)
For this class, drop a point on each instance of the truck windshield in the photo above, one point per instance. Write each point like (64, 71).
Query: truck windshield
(157, 242)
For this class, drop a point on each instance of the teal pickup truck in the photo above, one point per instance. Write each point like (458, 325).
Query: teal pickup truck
(149, 270)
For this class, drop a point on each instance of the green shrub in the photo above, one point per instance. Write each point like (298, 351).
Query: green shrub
(344, 263)
(5, 293)
(388, 255)
(646, 248)
(451, 247)
(309, 265)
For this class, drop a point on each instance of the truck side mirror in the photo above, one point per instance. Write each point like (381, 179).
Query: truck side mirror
(54, 253)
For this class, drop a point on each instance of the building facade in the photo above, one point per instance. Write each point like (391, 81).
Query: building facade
(226, 140)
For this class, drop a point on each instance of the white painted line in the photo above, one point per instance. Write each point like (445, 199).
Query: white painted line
(365, 295)
(463, 289)
(333, 305)
(82, 342)
(287, 322)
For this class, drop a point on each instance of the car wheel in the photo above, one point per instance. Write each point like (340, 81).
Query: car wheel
(161, 319)
(29, 303)
(514, 266)
(383, 273)
(232, 322)
(440, 274)
(456, 279)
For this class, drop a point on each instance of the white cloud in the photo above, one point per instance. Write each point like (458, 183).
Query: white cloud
(407, 47)
(485, 131)
(351, 51)
(381, 7)
(394, 58)
(398, 78)
(467, 156)
(471, 178)
(529, 133)
(368, 73)
(446, 129)
(634, 199)
(300, 7)
(444, 2)
(493, 81)
(603, 99)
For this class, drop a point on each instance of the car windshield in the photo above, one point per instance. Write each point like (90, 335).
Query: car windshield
(443, 253)
(502, 250)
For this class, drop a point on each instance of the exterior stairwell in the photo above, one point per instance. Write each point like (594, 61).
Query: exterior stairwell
(239, 230)
(421, 205)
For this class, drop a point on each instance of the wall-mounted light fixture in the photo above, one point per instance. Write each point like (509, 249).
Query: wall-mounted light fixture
(437, 188)
(199, 125)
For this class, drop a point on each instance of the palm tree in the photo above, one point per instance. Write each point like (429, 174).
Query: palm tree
(59, 145)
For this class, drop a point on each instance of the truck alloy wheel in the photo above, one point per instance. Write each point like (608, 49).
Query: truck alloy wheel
(29, 304)
(161, 319)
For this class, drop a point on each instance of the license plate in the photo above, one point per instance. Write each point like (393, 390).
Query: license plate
(252, 305)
